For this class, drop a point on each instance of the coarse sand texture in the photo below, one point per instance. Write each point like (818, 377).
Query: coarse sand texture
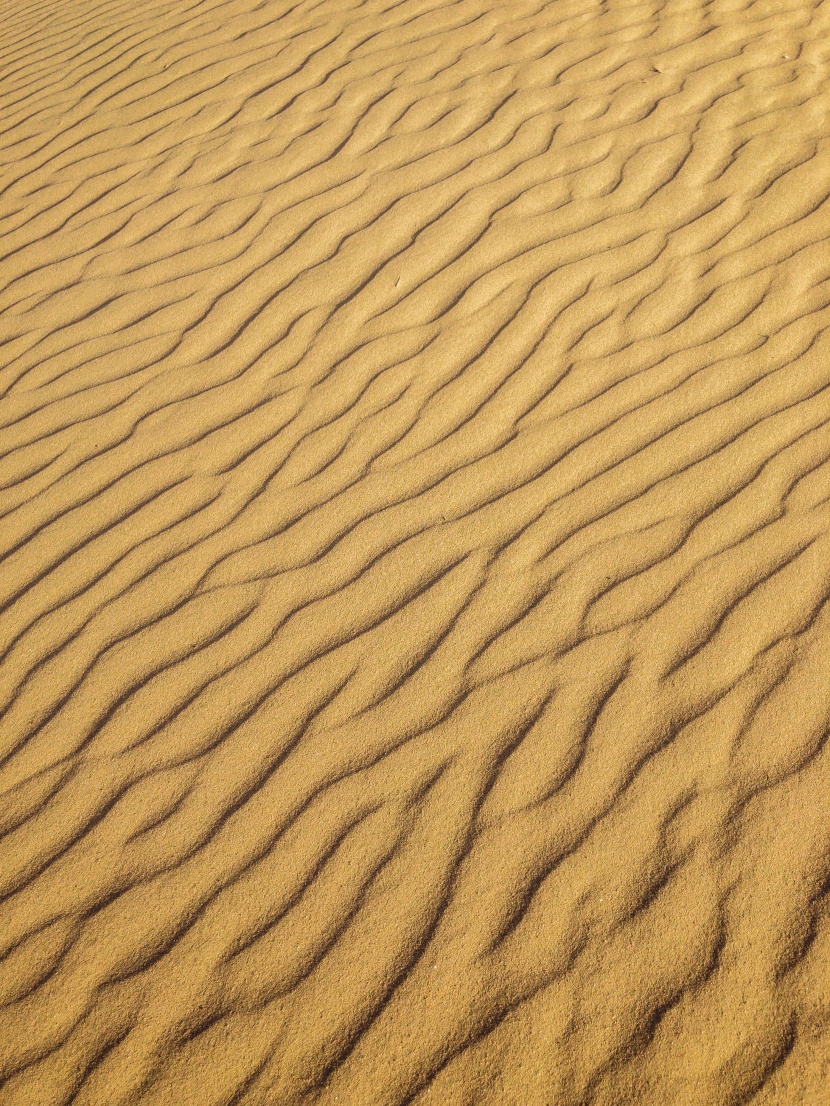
(414, 552)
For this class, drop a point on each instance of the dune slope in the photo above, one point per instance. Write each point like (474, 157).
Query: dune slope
(414, 552)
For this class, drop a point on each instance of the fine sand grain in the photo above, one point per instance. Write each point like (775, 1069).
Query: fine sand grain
(414, 552)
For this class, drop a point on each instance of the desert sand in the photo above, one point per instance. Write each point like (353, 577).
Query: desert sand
(414, 552)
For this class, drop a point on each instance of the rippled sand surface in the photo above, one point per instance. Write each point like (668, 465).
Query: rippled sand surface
(414, 552)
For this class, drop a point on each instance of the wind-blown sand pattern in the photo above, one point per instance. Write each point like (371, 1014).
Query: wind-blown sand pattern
(415, 466)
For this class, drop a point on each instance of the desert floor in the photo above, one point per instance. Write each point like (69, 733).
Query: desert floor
(414, 552)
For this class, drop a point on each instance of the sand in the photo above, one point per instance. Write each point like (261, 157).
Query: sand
(414, 552)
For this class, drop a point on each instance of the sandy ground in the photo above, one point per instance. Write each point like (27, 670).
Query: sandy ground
(415, 552)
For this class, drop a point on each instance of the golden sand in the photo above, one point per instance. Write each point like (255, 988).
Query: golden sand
(414, 552)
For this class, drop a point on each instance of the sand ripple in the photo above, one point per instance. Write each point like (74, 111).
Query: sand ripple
(414, 552)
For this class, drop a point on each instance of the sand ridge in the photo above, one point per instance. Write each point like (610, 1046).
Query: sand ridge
(414, 552)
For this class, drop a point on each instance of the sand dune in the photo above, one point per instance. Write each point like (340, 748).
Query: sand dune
(414, 552)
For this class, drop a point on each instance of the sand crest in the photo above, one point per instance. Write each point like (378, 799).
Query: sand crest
(414, 552)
